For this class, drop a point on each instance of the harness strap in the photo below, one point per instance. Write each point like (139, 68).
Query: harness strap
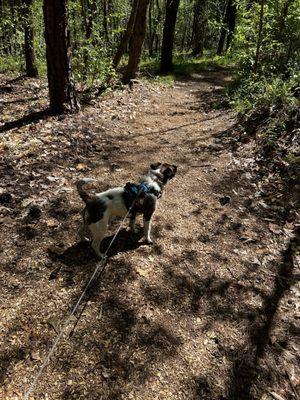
(142, 189)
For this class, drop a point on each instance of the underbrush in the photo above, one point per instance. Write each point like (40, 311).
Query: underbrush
(186, 66)
(10, 64)
(268, 112)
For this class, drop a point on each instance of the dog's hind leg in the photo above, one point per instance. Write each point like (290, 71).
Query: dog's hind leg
(82, 232)
(132, 220)
(98, 230)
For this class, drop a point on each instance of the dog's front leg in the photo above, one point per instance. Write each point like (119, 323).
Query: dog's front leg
(149, 208)
(147, 231)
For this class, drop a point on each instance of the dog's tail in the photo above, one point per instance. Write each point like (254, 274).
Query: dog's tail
(83, 193)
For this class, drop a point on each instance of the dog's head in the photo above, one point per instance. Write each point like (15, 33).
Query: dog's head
(166, 171)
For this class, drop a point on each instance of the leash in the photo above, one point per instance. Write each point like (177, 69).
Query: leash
(102, 263)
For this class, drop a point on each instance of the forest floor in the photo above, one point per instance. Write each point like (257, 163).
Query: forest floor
(210, 311)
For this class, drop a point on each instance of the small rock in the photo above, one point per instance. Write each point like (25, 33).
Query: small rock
(5, 198)
(55, 250)
(204, 238)
(224, 200)
(105, 374)
(34, 212)
(28, 232)
(235, 226)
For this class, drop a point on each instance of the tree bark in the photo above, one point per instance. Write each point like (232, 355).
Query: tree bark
(199, 26)
(166, 61)
(31, 68)
(138, 37)
(126, 35)
(61, 87)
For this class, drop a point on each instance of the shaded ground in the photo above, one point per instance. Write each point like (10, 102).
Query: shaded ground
(211, 311)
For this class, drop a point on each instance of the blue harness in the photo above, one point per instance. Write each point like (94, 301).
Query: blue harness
(138, 191)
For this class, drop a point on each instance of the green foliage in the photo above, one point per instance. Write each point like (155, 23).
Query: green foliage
(185, 65)
(254, 92)
(277, 74)
(11, 63)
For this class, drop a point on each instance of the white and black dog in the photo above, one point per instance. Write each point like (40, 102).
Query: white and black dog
(101, 208)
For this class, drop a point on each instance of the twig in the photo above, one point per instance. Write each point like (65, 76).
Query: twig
(292, 385)
(231, 273)
(201, 165)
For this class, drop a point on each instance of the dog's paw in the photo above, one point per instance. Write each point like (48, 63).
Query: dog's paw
(149, 241)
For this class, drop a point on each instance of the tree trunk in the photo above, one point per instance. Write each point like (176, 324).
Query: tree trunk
(127, 34)
(259, 36)
(199, 26)
(31, 68)
(166, 62)
(104, 22)
(138, 37)
(87, 12)
(231, 24)
(224, 29)
(61, 87)
(150, 28)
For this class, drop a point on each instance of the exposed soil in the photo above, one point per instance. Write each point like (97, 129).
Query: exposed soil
(210, 311)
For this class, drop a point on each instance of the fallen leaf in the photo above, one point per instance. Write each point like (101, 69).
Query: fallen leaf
(142, 272)
(52, 222)
(274, 228)
(35, 356)
(81, 167)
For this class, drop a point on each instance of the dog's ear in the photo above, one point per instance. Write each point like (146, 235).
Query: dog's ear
(170, 172)
(155, 165)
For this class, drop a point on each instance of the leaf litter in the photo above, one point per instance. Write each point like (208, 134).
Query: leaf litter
(210, 311)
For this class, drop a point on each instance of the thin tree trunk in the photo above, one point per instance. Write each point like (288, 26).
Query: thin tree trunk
(231, 24)
(104, 22)
(61, 87)
(87, 12)
(31, 68)
(166, 62)
(156, 40)
(199, 26)
(127, 34)
(224, 29)
(150, 28)
(2, 36)
(138, 37)
(259, 36)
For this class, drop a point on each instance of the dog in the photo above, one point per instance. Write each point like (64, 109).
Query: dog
(101, 208)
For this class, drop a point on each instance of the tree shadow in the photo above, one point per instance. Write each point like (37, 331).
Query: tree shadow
(9, 358)
(6, 88)
(26, 120)
(129, 346)
(80, 258)
(246, 370)
(20, 101)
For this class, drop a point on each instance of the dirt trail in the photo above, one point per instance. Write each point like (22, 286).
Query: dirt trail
(198, 315)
